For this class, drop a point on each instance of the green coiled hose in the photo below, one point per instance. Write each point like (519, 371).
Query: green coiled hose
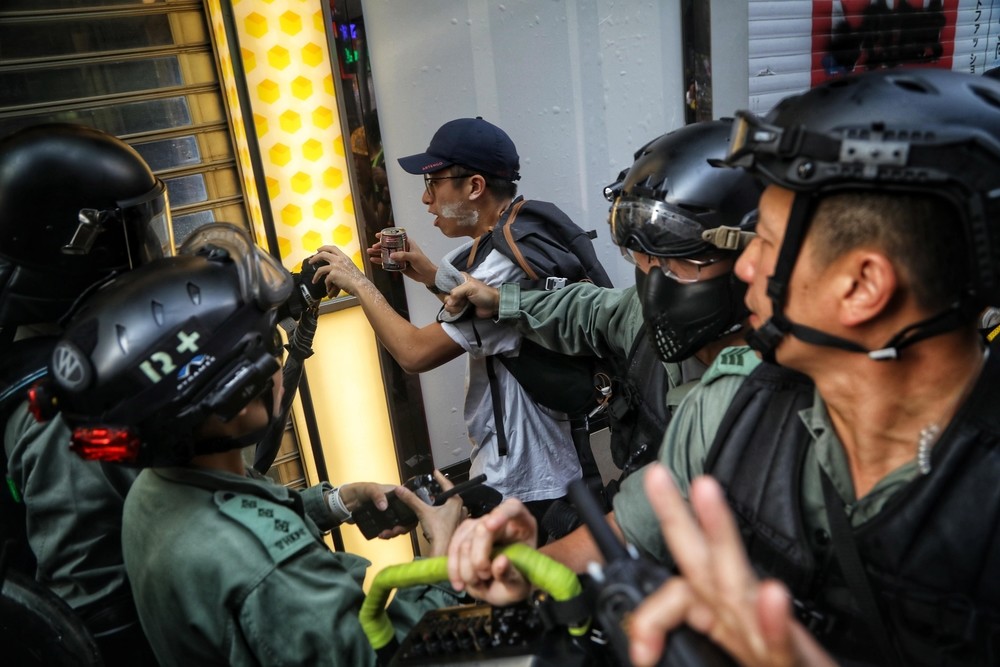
(541, 571)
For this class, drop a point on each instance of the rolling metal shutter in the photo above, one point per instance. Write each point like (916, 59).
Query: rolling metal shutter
(144, 71)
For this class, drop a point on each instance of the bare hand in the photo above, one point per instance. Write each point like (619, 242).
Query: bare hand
(356, 493)
(437, 521)
(470, 563)
(418, 266)
(486, 299)
(339, 272)
(717, 592)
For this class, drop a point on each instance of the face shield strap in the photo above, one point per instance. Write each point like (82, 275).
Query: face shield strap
(733, 238)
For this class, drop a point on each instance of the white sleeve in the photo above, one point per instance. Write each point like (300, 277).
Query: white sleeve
(482, 337)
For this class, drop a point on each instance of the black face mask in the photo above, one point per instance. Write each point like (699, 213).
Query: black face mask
(681, 318)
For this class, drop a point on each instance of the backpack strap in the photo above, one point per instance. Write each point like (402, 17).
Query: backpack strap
(518, 255)
(495, 395)
(470, 263)
(485, 241)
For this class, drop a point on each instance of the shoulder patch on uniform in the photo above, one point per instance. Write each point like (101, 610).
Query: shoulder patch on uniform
(732, 361)
(281, 531)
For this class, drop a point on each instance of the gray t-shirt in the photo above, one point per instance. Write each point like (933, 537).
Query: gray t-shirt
(541, 459)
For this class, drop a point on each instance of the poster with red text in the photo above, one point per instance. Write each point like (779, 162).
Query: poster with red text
(796, 44)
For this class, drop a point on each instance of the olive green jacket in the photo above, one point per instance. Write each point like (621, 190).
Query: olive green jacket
(689, 439)
(229, 570)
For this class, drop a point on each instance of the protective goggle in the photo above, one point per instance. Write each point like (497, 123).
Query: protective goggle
(262, 279)
(749, 136)
(654, 227)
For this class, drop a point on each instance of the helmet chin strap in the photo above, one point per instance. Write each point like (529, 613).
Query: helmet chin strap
(770, 334)
(768, 337)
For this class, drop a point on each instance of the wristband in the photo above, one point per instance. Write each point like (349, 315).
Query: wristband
(337, 506)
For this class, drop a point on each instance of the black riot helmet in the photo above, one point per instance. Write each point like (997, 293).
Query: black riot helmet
(76, 204)
(919, 131)
(674, 202)
(146, 359)
(673, 193)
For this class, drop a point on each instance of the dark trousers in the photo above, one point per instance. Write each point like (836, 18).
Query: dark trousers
(538, 508)
(114, 624)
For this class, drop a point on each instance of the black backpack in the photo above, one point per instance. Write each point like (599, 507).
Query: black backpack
(553, 252)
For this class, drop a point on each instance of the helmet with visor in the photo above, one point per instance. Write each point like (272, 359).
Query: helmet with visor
(76, 204)
(149, 357)
(686, 214)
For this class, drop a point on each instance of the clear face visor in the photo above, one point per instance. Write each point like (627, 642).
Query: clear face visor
(262, 279)
(147, 219)
(648, 226)
(143, 221)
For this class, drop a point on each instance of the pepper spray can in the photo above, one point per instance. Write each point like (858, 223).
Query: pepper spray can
(393, 240)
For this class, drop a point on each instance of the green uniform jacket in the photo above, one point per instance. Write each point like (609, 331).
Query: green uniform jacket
(229, 570)
(579, 319)
(691, 434)
(586, 319)
(73, 510)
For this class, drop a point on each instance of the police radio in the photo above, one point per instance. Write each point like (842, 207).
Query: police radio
(624, 582)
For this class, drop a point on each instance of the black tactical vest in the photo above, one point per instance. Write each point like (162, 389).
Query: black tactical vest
(932, 556)
(638, 412)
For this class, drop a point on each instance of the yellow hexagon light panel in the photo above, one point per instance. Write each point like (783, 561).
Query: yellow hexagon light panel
(226, 69)
(287, 66)
(290, 86)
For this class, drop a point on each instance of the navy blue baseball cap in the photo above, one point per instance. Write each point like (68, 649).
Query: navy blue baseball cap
(469, 142)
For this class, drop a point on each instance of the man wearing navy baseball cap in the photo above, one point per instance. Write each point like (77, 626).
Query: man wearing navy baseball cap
(469, 142)
(469, 170)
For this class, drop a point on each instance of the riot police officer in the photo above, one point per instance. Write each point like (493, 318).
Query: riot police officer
(860, 473)
(175, 367)
(76, 206)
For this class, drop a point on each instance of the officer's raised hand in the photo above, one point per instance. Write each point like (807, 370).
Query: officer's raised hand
(486, 299)
(717, 592)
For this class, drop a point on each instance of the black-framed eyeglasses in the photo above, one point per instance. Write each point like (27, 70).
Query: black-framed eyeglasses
(429, 181)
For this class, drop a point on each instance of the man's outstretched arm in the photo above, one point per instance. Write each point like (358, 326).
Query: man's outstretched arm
(415, 349)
